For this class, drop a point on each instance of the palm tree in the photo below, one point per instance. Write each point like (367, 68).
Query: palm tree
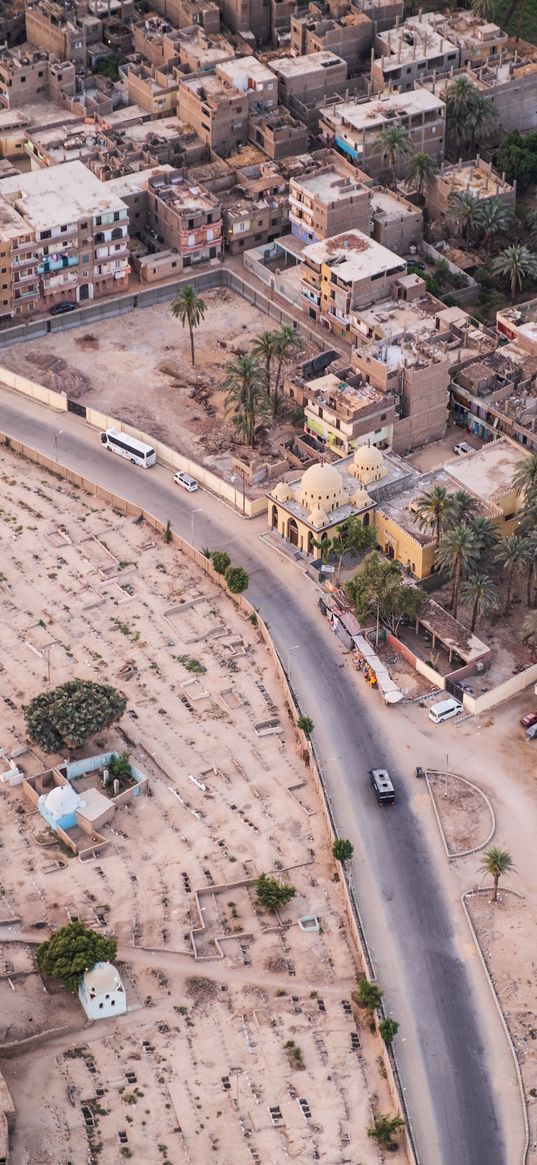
(432, 509)
(287, 341)
(481, 118)
(495, 218)
(264, 348)
(190, 309)
(497, 862)
(529, 630)
(462, 507)
(246, 395)
(480, 592)
(460, 97)
(394, 143)
(484, 9)
(420, 169)
(530, 223)
(525, 476)
(457, 553)
(464, 209)
(485, 533)
(530, 559)
(511, 555)
(517, 263)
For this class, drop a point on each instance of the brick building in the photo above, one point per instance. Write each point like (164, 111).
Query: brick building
(345, 273)
(353, 128)
(327, 202)
(217, 112)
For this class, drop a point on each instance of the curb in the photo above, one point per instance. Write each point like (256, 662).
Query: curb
(463, 853)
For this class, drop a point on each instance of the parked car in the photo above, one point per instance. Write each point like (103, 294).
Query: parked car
(186, 481)
(529, 720)
(462, 447)
(60, 309)
(531, 733)
(417, 263)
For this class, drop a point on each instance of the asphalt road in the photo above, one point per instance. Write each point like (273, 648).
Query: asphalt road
(444, 1048)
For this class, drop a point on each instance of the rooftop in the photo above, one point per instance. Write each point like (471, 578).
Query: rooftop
(239, 72)
(487, 473)
(59, 195)
(298, 66)
(372, 115)
(132, 183)
(329, 388)
(179, 192)
(210, 88)
(476, 177)
(414, 40)
(355, 255)
(386, 205)
(329, 186)
(12, 224)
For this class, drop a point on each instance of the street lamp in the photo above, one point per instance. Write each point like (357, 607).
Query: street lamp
(56, 435)
(193, 515)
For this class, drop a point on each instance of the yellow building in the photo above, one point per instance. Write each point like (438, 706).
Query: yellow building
(311, 510)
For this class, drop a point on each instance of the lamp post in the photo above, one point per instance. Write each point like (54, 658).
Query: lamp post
(56, 435)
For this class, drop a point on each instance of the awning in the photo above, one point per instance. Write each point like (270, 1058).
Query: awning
(392, 694)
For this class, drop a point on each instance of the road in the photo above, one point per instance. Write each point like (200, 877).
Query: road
(458, 1079)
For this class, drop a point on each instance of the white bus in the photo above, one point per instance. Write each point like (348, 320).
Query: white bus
(129, 447)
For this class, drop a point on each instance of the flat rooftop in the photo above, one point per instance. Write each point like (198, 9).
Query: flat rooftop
(12, 224)
(354, 255)
(412, 41)
(298, 66)
(386, 205)
(59, 195)
(132, 183)
(167, 129)
(476, 177)
(329, 187)
(487, 473)
(210, 88)
(177, 191)
(240, 70)
(372, 115)
(392, 318)
(330, 385)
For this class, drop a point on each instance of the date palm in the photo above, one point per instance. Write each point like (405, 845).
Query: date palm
(458, 553)
(511, 556)
(264, 348)
(432, 510)
(525, 476)
(495, 218)
(497, 862)
(485, 532)
(460, 97)
(190, 308)
(484, 9)
(517, 264)
(394, 143)
(462, 507)
(287, 342)
(420, 169)
(530, 560)
(481, 594)
(481, 119)
(246, 395)
(464, 211)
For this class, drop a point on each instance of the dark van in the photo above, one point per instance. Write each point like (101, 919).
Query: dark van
(382, 784)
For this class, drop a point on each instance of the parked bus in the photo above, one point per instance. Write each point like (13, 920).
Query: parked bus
(129, 447)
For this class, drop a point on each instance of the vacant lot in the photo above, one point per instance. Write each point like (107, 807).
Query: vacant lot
(85, 591)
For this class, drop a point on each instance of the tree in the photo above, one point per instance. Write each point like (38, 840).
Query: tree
(462, 507)
(384, 1128)
(220, 560)
(237, 579)
(525, 476)
(497, 863)
(271, 893)
(190, 308)
(265, 348)
(395, 144)
(350, 538)
(306, 725)
(481, 594)
(368, 996)
(246, 395)
(495, 218)
(71, 951)
(517, 156)
(420, 169)
(458, 554)
(485, 532)
(530, 226)
(65, 718)
(288, 342)
(432, 509)
(464, 210)
(484, 9)
(517, 264)
(342, 850)
(529, 630)
(388, 1029)
(460, 98)
(511, 554)
(481, 119)
(378, 587)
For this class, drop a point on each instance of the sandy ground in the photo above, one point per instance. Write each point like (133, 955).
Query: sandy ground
(465, 816)
(438, 452)
(85, 591)
(141, 373)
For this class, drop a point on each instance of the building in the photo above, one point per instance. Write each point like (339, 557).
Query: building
(407, 51)
(183, 217)
(509, 80)
(496, 394)
(520, 324)
(28, 76)
(479, 41)
(309, 79)
(186, 13)
(349, 37)
(396, 223)
(153, 88)
(353, 128)
(473, 177)
(55, 28)
(345, 273)
(216, 111)
(346, 411)
(256, 208)
(327, 202)
(311, 510)
(250, 76)
(67, 237)
(250, 18)
(278, 134)
(101, 992)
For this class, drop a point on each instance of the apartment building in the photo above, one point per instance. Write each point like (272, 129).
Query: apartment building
(327, 202)
(186, 13)
(349, 37)
(12, 22)
(509, 81)
(278, 134)
(250, 18)
(249, 222)
(312, 78)
(153, 89)
(384, 13)
(250, 76)
(478, 40)
(344, 273)
(395, 222)
(69, 240)
(473, 177)
(217, 112)
(55, 28)
(28, 76)
(183, 217)
(496, 395)
(199, 53)
(353, 128)
(519, 324)
(412, 49)
(346, 411)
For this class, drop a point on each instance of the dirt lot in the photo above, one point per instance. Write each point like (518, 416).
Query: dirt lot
(141, 373)
(85, 591)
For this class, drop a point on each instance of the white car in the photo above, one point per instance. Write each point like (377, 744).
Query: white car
(186, 481)
(462, 447)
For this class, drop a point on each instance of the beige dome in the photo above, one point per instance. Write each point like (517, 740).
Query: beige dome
(281, 492)
(318, 517)
(368, 457)
(361, 499)
(102, 978)
(321, 487)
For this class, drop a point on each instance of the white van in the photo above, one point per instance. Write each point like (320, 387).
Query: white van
(186, 481)
(444, 710)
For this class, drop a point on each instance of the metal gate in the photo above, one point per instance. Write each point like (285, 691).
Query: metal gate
(74, 407)
(455, 689)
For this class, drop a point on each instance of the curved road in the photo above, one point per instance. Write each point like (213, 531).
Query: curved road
(456, 1073)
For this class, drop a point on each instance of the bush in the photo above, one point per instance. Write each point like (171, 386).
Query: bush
(72, 950)
(237, 579)
(220, 561)
(368, 996)
(342, 850)
(271, 893)
(383, 1129)
(388, 1029)
(66, 717)
(305, 723)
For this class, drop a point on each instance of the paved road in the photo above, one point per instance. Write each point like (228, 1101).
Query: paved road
(450, 1044)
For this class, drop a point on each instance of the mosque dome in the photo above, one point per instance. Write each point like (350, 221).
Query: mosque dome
(361, 499)
(321, 487)
(318, 517)
(368, 464)
(62, 801)
(281, 492)
(103, 978)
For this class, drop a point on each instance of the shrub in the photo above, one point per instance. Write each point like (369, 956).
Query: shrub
(271, 893)
(66, 717)
(237, 579)
(305, 723)
(342, 850)
(220, 561)
(388, 1029)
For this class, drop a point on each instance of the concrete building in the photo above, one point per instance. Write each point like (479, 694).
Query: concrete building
(183, 217)
(55, 28)
(508, 79)
(278, 134)
(520, 325)
(217, 112)
(384, 13)
(473, 177)
(250, 76)
(353, 128)
(28, 76)
(327, 202)
(153, 88)
(349, 37)
(404, 53)
(250, 18)
(67, 236)
(478, 40)
(311, 510)
(186, 13)
(345, 273)
(396, 223)
(495, 394)
(347, 412)
(255, 209)
(310, 79)
(102, 993)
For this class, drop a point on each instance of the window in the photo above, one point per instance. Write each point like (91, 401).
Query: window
(83, 226)
(85, 258)
(45, 235)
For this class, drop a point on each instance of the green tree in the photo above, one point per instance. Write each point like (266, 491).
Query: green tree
(464, 210)
(237, 579)
(517, 264)
(394, 143)
(457, 553)
(388, 1029)
(463, 506)
(368, 996)
(306, 725)
(420, 169)
(65, 718)
(432, 509)
(517, 156)
(525, 476)
(460, 96)
(497, 863)
(485, 9)
(342, 850)
(485, 533)
(265, 349)
(271, 893)
(246, 396)
(384, 1128)
(511, 554)
(190, 308)
(495, 218)
(287, 343)
(481, 119)
(71, 951)
(350, 538)
(480, 593)
(530, 227)
(529, 630)
(220, 560)
(378, 586)
(530, 559)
